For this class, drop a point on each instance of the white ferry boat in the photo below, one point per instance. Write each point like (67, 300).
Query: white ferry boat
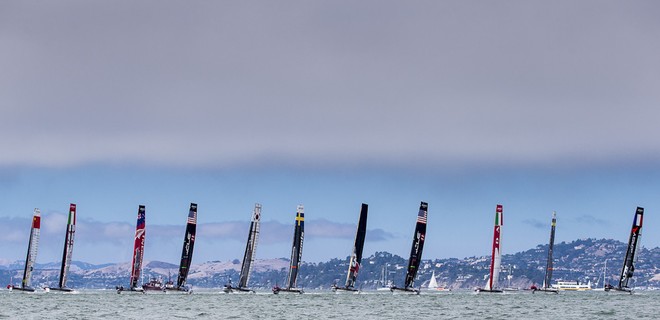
(572, 286)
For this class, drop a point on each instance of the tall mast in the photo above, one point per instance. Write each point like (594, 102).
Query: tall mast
(250, 247)
(188, 245)
(67, 254)
(138, 248)
(356, 255)
(635, 233)
(296, 248)
(548, 269)
(496, 257)
(33, 245)
(417, 245)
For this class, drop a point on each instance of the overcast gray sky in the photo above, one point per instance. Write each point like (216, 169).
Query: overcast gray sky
(328, 82)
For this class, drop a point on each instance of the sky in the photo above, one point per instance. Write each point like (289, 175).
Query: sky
(538, 106)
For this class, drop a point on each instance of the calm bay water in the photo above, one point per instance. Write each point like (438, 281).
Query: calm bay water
(326, 305)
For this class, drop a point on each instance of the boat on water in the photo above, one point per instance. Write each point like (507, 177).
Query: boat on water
(67, 255)
(248, 257)
(138, 254)
(492, 286)
(383, 284)
(33, 245)
(154, 285)
(572, 286)
(433, 284)
(547, 280)
(296, 255)
(356, 256)
(186, 254)
(631, 254)
(415, 252)
(605, 283)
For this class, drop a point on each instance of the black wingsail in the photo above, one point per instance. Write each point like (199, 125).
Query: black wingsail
(416, 251)
(250, 247)
(297, 247)
(417, 246)
(68, 246)
(188, 245)
(548, 268)
(356, 257)
(628, 264)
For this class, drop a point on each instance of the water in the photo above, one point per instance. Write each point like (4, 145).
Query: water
(326, 305)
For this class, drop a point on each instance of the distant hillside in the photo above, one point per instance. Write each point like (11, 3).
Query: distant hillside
(581, 260)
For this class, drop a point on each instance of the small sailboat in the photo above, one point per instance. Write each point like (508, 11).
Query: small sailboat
(68, 250)
(384, 284)
(296, 255)
(356, 256)
(631, 252)
(138, 253)
(415, 252)
(33, 244)
(509, 277)
(248, 257)
(605, 283)
(547, 280)
(492, 286)
(433, 284)
(186, 253)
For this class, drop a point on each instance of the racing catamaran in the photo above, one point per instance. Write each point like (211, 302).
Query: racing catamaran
(547, 280)
(68, 250)
(248, 257)
(631, 252)
(138, 253)
(356, 257)
(296, 255)
(186, 253)
(415, 252)
(33, 244)
(496, 258)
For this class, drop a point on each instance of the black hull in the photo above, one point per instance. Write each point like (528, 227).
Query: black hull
(22, 289)
(546, 290)
(61, 289)
(230, 289)
(130, 290)
(619, 290)
(404, 290)
(488, 291)
(344, 289)
(278, 290)
(181, 290)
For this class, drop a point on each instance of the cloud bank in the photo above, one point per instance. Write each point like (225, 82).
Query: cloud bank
(225, 84)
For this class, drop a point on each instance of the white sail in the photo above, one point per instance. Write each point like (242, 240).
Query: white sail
(496, 268)
(433, 284)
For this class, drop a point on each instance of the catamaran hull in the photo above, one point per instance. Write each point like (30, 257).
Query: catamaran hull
(63, 290)
(132, 290)
(619, 290)
(548, 290)
(287, 291)
(345, 290)
(487, 291)
(237, 290)
(396, 290)
(12, 288)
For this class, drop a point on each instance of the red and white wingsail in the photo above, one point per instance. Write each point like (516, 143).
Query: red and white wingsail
(496, 258)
